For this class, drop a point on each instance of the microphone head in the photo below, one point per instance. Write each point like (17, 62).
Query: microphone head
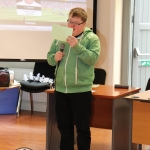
(62, 46)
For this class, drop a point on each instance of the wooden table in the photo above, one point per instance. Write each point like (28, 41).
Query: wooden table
(140, 117)
(109, 111)
(12, 86)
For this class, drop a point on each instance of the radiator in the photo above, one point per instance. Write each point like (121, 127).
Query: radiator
(38, 97)
(19, 72)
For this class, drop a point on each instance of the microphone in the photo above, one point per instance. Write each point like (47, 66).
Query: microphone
(62, 46)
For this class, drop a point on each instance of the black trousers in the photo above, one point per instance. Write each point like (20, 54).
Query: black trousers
(74, 108)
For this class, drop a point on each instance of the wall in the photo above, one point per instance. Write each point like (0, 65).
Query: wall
(127, 32)
(109, 27)
(103, 31)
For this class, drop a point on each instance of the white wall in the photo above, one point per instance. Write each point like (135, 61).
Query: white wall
(109, 28)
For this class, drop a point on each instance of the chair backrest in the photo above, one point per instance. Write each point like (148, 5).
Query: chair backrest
(148, 85)
(44, 69)
(100, 76)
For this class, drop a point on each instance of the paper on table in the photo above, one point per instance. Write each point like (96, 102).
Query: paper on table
(60, 32)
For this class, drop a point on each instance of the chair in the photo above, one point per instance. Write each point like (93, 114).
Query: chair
(148, 85)
(34, 86)
(100, 76)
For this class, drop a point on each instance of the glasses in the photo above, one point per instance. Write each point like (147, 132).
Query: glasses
(74, 23)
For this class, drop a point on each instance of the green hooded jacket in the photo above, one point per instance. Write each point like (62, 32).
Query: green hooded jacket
(76, 70)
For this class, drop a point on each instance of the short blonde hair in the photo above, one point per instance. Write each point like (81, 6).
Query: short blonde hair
(78, 12)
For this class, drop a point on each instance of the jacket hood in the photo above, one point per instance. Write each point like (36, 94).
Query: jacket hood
(86, 30)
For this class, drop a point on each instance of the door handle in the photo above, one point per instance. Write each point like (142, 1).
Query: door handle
(137, 53)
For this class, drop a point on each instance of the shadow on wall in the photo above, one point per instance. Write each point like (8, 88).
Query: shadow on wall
(104, 50)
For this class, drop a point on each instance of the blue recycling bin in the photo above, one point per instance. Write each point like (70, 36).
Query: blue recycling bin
(9, 100)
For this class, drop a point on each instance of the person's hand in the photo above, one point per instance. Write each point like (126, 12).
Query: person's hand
(58, 56)
(72, 41)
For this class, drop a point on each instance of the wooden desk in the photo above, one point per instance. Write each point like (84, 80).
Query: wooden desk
(5, 88)
(109, 111)
(140, 117)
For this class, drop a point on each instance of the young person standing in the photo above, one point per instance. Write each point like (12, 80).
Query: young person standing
(74, 79)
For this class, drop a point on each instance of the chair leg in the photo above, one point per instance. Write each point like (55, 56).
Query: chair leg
(31, 102)
(18, 105)
(139, 146)
(21, 95)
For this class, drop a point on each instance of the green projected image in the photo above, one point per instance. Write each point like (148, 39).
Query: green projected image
(37, 13)
(48, 15)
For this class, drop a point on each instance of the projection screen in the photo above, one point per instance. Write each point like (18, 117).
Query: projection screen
(25, 29)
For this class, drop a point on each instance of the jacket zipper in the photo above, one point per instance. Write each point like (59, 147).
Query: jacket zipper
(65, 69)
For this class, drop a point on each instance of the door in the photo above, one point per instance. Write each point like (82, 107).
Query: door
(141, 44)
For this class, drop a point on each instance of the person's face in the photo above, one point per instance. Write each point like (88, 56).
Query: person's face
(29, 1)
(76, 24)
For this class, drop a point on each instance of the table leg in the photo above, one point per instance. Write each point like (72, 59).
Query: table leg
(52, 133)
(139, 146)
(121, 125)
